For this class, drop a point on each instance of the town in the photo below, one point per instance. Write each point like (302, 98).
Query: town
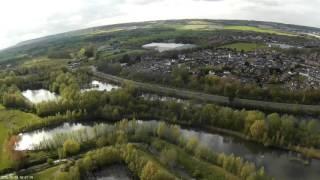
(262, 66)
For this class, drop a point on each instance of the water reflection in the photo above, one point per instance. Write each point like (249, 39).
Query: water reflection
(114, 172)
(277, 163)
(100, 86)
(28, 141)
(161, 47)
(41, 95)
(155, 97)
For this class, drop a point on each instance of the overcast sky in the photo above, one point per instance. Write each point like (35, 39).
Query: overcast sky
(27, 19)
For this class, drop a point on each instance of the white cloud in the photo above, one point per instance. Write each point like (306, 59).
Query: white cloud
(22, 20)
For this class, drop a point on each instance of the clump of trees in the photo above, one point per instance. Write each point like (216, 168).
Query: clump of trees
(138, 161)
(11, 97)
(168, 157)
(18, 158)
(71, 147)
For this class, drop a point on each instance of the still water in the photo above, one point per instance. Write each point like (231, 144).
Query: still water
(161, 47)
(38, 96)
(277, 163)
(43, 95)
(114, 172)
(100, 86)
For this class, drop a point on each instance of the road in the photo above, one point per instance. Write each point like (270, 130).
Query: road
(221, 100)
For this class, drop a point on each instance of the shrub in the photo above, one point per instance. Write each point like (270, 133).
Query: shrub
(71, 147)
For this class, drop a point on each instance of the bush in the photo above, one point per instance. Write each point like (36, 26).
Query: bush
(50, 161)
(168, 157)
(71, 147)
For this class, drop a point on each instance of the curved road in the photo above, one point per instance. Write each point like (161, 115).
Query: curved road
(221, 100)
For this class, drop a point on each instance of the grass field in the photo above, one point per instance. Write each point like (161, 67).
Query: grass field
(11, 119)
(44, 62)
(195, 27)
(200, 25)
(46, 174)
(256, 29)
(98, 32)
(245, 46)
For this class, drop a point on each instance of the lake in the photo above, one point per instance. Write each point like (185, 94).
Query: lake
(28, 141)
(280, 164)
(161, 47)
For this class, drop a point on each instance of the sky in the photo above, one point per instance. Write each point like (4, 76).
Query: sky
(28, 19)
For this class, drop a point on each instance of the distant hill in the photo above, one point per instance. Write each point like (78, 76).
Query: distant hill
(73, 40)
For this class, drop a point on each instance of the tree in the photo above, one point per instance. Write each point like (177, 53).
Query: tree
(207, 114)
(258, 129)
(161, 131)
(287, 128)
(81, 53)
(71, 147)
(274, 122)
(86, 164)
(181, 75)
(251, 117)
(230, 91)
(90, 51)
(246, 170)
(192, 144)
(149, 171)
(168, 157)
(121, 137)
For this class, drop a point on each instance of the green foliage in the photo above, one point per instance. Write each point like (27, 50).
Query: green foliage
(11, 97)
(168, 157)
(245, 47)
(50, 161)
(258, 128)
(10, 121)
(71, 147)
(192, 143)
(98, 159)
(197, 167)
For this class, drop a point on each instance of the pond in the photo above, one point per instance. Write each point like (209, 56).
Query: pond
(28, 141)
(38, 96)
(278, 163)
(155, 97)
(282, 46)
(114, 172)
(43, 95)
(100, 86)
(161, 47)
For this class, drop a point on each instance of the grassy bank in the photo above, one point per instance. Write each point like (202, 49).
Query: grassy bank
(10, 120)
